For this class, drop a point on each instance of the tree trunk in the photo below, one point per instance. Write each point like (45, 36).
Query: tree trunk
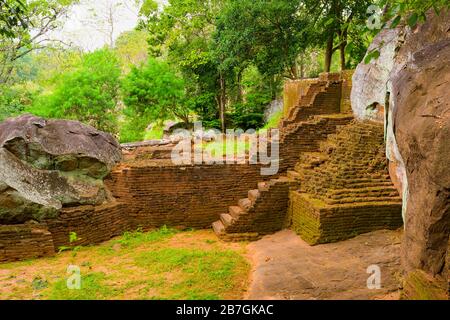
(329, 52)
(342, 49)
(222, 101)
(239, 84)
(302, 65)
(343, 44)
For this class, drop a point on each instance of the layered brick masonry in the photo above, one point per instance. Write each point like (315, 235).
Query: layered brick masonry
(345, 189)
(188, 196)
(264, 211)
(19, 242)
(92, 224)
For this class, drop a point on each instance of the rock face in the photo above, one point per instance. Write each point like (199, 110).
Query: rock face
(422, 131)
(369, 89)
(409, 86)
(48, 164)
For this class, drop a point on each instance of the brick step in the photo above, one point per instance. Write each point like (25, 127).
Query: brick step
(218, 228)
(372, 194)
(226, 219)
(361, 190)
(253, 195)
(364, 185)
(245, 204)
(362, 200)
(263, 186)
(320, 177)
(294, 175)
(236, 211)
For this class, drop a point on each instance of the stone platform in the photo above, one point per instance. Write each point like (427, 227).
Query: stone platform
(345, 189)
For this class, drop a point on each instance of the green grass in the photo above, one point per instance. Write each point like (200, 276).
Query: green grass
(217, 146)
(274, 120)
(92, 288)
(136, 238)
(156, 133)
(161, 264)
(206, 273)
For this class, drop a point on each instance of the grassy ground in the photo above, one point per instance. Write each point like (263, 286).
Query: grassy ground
(221, 148)
(163, 264)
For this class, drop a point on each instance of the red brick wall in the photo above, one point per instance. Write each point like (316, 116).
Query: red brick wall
(190, 196)
(92, 224)
(25, 241)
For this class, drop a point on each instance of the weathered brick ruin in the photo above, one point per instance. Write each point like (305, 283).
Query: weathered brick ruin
(345, 189)
(370, 203)
(159, 193)
(19, 242)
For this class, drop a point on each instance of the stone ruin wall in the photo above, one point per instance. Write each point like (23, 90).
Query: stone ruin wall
(187, 196)
(293, 90)
(146, 197)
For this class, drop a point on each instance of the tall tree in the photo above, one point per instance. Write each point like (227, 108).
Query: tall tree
(153, 93)
(42, 16)
(89, 93)
(269, 34)
(334, 21)
(181, 32)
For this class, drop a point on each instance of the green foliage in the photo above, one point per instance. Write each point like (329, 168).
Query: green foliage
(152, 92)
(410, 12)
(274, 120)
(181, 33)
(89, 93)
(155, 133)
(48, 66)
(267, 34)
(26, 29)
(250, 114)
(13, 16)
(14, 100)
(131, 48)
(73, 237)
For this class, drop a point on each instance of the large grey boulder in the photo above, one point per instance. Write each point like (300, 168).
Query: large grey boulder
(48, 164)
(369, 90)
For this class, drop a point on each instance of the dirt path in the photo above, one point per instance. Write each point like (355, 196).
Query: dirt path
(286, 267)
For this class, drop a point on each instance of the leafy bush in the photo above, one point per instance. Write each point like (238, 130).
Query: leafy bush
(89, 93)
(152, 93)
(14, 100)
(250, 114)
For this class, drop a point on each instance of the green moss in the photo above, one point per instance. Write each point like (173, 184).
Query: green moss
(420, 286)
(305, 221)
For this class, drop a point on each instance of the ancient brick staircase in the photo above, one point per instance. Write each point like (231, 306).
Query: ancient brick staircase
(322, 97)
(345, 189)
(264, 211)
